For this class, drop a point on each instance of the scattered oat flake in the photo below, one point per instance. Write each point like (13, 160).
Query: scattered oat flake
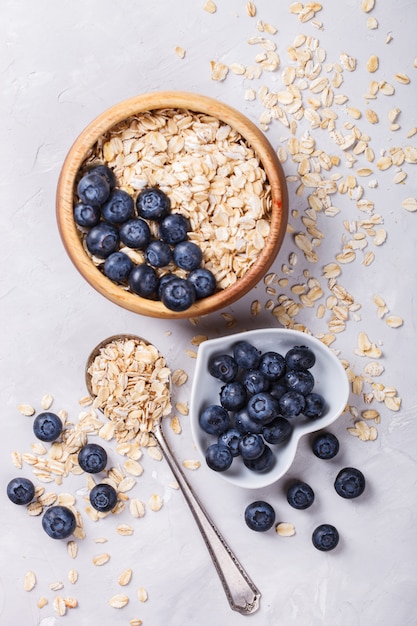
(285, 529)
(101, 559)
(72, 548)
(182, 408)
(367, 5)
(409, 204)
(250, 9)
(125, 577)
(125, 530)
(176, 425)
(179, 377)
(179, 51)
(73, 576)
(137, 507)
(219, 70)
(42, 602)
(135, 622)
(26, 409)
(29, 581)
(56, 586)
(191, 464)
(46, 401)
(59, 606)
(394, 321)
(155, 502)
(142, 594)
(71, 603)
(155, 453)
(118, 601)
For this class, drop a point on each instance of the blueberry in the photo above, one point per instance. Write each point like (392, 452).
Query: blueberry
(231, 439)
(300, 495)
(178, 294)
(299, 380)
(86, 215)
(223, 367)
(135, 233)
(20, 490)
(187, 255)
(291, 404)
(219, 457)
(108, 174)
(214, 419)
(233, 395)
(47, 426)
(272, 365)
(245, 424)
(263, 463)
(204, 282)
(300, 358)
(163, 281)
(349, 483)
(325, 446)
(277, 431)
(59, 522)
(263, 407)
(117, 267)
(278, 388)
(153, 204)
(174, 228)
(119, 207)
(143, 281)
(259, 516)
(255, 381)
(92, 458)
(158, 253)
(314, 405)
(103, 497)
(325, 537)
(251, 446)
(102, 240)
(93, 189)
(246, 355)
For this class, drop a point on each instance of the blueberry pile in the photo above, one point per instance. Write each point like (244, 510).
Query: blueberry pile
(59, 522)
(111, 218)
(261, 395)
(349, 483)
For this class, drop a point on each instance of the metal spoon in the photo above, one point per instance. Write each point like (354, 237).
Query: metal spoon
(242, 594)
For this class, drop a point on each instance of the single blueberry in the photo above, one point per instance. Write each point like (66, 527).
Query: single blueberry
(246, 355)
(102, 240)
(251, 446)
(93, 189)
(245, 424)
(325, 537)
(214, 419)
(103, 497)
(278, 388)
(204, 282)
(47, 426)
(300, 358)
(92, 458)
(299, 380)
(174, 228)
(59, 522)
(263, 407)
(300, 495)
(158, 253)
(325, 446)
(219, 457)
(291, 404)
(255, 381)
(143, 281)
(20, 490)
(349, 483)
(86, 215)
(259, 516)
(223, 367)
(153, 204)
(277, 431)
(104, 170)
(233, 395)
(117, 267)
(314, 405)
(187, 255)
(231, 439)
(163, 281)
(178, 294)
(119, 207)
(263, 463)
(272, 365)
(135, 233)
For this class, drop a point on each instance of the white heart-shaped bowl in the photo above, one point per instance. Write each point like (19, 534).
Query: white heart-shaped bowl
(330, 381)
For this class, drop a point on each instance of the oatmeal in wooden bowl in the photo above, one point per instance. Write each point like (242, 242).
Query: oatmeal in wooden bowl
(172, 204)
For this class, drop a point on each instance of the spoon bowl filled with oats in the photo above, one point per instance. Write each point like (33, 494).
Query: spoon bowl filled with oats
(130, 382)
(172, 204)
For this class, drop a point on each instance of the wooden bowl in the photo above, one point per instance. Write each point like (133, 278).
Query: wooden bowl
(153, 102)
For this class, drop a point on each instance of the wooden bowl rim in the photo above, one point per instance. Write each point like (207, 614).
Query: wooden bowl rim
(161, 100)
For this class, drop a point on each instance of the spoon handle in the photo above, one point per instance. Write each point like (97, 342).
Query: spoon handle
(241, 592)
